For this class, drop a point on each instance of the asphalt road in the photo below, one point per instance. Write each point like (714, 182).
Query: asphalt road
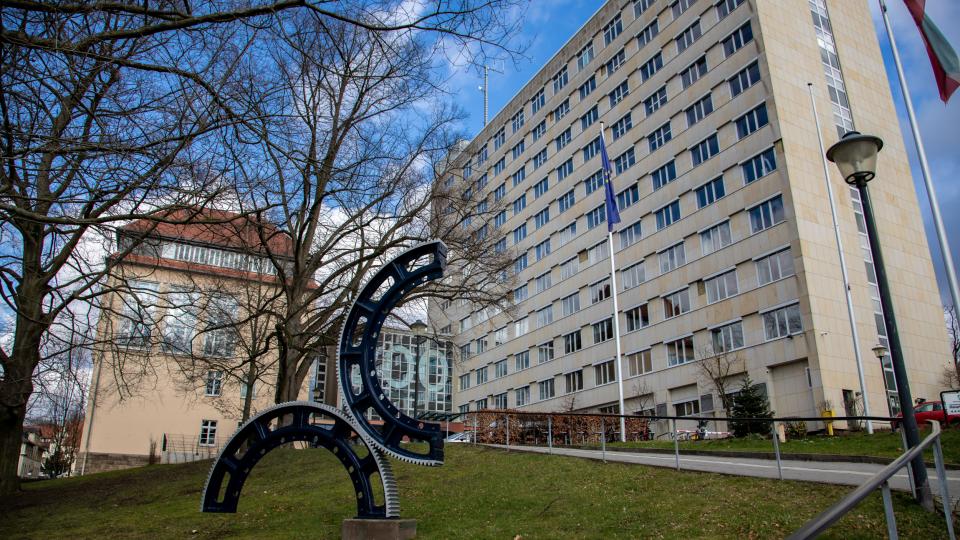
(809, 471)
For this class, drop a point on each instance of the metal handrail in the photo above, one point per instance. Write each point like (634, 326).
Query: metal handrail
(833, 514)
(694, 418)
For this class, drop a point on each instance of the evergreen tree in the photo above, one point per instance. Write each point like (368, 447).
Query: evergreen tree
(750, 402)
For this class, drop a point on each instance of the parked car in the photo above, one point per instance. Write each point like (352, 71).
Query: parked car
(930, 410)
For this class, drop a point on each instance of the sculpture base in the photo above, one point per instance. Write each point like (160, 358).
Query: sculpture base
(379, 529)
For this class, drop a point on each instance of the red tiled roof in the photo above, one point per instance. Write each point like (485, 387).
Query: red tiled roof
(214, 227)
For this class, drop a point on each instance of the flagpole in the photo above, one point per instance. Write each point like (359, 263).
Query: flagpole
(616, 313)
(924, 168)
(843, 265)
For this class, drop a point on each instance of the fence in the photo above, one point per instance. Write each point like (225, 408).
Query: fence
(176, 448)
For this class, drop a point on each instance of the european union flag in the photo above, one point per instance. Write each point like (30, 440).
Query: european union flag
(613, 213)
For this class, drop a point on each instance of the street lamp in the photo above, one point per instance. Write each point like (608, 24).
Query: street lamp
(856, 157)
(419, 329)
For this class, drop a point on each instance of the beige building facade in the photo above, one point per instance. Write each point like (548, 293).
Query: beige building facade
(726, 244)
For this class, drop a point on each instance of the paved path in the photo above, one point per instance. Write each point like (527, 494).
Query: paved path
(810, 471)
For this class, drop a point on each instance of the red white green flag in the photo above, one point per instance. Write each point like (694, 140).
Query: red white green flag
(946, 64)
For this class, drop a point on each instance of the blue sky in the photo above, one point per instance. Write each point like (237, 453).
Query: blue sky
(548, 24)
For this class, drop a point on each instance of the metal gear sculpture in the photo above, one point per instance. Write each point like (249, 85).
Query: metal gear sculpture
(323, 426)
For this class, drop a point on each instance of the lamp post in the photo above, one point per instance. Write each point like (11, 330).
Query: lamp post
(418, 328)
(856, 157)
(880, 352)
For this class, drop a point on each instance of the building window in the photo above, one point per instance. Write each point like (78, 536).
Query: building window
(630, 235)
(615, 62)
(639, 6)
(659, 137)
(668, 215)
(675, 304)
(500, 369)
(220, 336)
(499, 138)
(625, 160)
(671, 258)
(179, 322)
(602, 331)
(651, 67)
(618, 93)
(655, 100)
(598, 252)
(721, 287)
(545, 352)
(628, 197)
(727, 338)
(637, 318)
(518, 149)
(680, 351)
(540, 130)
(699, 110)
(465, 351)
(522, 396)
(773, 267)
(724, 7)
(759, 166)
(563, 139)
(745, 78)
(591, 149)
(708, 193)
(538, 101)
(519, 233)
(481, 404)
(561, 110)
(320, 379)
(593, 182)
(664, 175)
(586, 121)
(648, 33)
(570, 304)
(715, 237)
(573, 381)
(482, 376)
(679, 6)
(560, 80)
(600, 291)
(542, 249)
(137, 314)
(566, 201)
(208, 433)
(612, 29)
(752, 121)
(464, 381)
(541, 187)
(565, 169)
(500, 401)
(522, 360)
(633, 276)
(622, 126)
(596, 216)
(499, 336)
(766, 214)
(499, 193)
(546, 389)
(585, 56)
(519, 204)
(545, 316)
(687, 408)
(639, 363)
(587, 87)
(567, 234)
(782, 322)
(735, 41)
(521, 327)
(605, 373)
(705, 150)
(499, 166)
(571, 342)
(688, 36)
(569, 268)
(214, 383)
(540, 219)
(517, 121)
(693, 73)
(520, 263)
(519, 176)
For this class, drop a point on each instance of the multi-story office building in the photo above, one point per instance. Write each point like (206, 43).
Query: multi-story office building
(726, 244)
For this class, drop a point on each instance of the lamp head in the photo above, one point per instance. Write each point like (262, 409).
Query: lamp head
(880, 351)
(856, 157)
(418, 328)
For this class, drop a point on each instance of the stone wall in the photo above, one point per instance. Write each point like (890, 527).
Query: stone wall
(100, 462)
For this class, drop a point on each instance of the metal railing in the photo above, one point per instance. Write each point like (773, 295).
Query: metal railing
(880, 480)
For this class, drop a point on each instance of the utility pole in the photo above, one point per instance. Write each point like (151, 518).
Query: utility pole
(486, 92)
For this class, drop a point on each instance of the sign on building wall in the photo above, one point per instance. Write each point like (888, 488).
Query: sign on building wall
(951, 402)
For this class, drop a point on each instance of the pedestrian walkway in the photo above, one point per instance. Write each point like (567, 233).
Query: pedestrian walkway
(844, 473)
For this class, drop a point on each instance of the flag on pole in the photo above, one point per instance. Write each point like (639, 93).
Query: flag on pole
(613, 213)
(943, 58)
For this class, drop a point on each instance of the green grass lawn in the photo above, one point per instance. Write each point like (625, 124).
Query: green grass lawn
(478, 493)
(880, 444)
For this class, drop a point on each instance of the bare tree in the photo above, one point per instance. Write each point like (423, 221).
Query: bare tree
(113, 111)
(715, 369)
(353, 140)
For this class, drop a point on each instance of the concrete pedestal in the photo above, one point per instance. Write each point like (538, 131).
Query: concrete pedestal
(379, 529)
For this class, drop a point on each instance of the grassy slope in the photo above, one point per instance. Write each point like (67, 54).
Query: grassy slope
(881, 444)
(478, 493)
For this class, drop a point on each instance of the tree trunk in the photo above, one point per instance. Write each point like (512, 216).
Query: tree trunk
(248, 400)
(11, 431)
